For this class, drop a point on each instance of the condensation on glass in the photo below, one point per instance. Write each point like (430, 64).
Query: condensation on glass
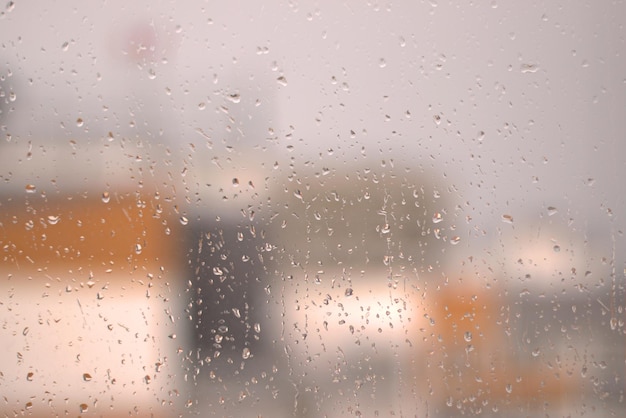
(330, 209)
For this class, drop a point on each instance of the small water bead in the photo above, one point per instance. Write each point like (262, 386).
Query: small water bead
(245, 354)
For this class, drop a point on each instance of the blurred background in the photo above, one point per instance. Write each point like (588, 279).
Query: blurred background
(326, 209)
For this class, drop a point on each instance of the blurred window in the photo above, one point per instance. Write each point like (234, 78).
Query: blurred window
(328, 209)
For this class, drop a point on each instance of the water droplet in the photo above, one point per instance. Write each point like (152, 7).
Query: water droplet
(536, 352)
(151, 74)
(507, 219)
(138, 248)
(53, 219)
(556, 248)
(245, 354)
(455, 240)
(201, 106)
(257, 328)
(437, 119)
(349, 291)
(184, 220)
(509, 388)
(65, 46)
(529, 68)
(467, 336)
(29, 376)
(437, 217)
(106, 197)
(31, 188)
(79, 122)
(236, 98)
(235, 182)
(83, 407)
(147, 379)
(382, 63)
(86, 377)
(236, 312)
(613, 323)
(552, 210)
(282, 80)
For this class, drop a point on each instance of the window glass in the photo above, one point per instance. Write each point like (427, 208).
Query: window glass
(325, 209)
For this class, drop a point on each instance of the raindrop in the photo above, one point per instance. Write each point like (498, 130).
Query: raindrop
(509, 388)
(437, 119)
(235, 182)
(65, 46)
(83, 407)
(106, 197)
(282, 80)
(53, 219)
(437, 217)
(467, 336)
(86, 377)
(507, 219)
(151, 74)
(29, 376)
(79, 122)
(31, 188)
(236, 98)
(245, 354)
(184, 220)
(349, 291)
(613, 323)
(382, 63)
(138, 248)
(529, 68)
(455, 240)
(556, 248)
(552, 210)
